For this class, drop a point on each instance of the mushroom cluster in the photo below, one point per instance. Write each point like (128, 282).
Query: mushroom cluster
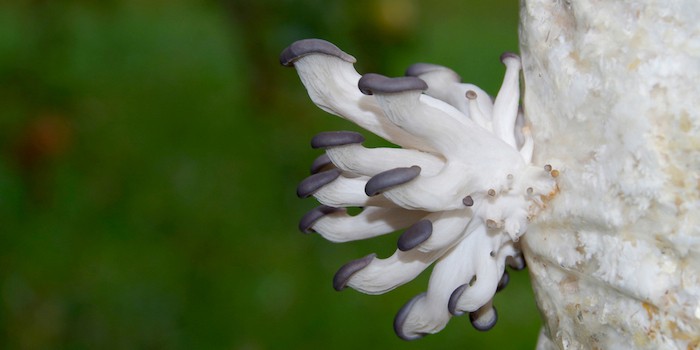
(460, 185)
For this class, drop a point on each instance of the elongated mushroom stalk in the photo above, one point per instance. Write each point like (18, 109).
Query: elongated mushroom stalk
(460, 185)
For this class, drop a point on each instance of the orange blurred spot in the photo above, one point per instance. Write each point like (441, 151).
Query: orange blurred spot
(44, 137)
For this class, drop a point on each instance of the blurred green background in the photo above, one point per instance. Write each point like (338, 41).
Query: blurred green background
(150, 152)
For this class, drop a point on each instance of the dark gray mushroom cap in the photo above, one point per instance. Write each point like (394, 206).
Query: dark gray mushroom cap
(415, 235)
(336, 138)
(503, 282)
(372, 83)
(480, 319)
(517, 262)
(401, 317)
(320, 163)
(341, 278)
(308, 220)
(390, 178)
(418, 69)
(305, 47)
(508, 55)
(454, 299)
(311, 184)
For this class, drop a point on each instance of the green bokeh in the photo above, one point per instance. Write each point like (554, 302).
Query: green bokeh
(150, 152)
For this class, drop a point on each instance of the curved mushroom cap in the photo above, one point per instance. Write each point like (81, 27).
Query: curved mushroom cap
(517, 262)
(305, 47)
(341, 278)
(454, 299)
(415, 235)
(322, 162)
(402, 315)
(505, 278)
(336, 138)
(307, 221)
(509, 56)
(390, 178)
(484, 319)
(312, 183)
(371, 83)
(422, 69)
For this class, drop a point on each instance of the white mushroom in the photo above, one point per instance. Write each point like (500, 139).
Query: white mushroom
(461, 186)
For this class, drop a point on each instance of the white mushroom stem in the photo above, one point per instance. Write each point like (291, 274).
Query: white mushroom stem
(429, 314)
(332, 85)
(349, 192)
(505, 107)
(463, 142)
(448, 228)
(383, 275)
(370, 161)
(487, 273)
(477, 102)
(445, 84)
(370, 222)
(443, 191)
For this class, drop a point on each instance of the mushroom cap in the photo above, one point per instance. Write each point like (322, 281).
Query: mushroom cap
(503, 282)
(371, 83)
(305, 47)
(509, 55)
(484, 319)
(417, 69)
(424, 69)
(320, 163)
(402, 316)
(312, 183)
(454, 300)
(390, 178)
(336, 138)
(308, 220)
(415, 235)
(341, 278)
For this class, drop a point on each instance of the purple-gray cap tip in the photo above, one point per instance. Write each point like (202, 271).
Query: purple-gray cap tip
(372, 83)
(509, 55)
(336, 138)
(305, 47)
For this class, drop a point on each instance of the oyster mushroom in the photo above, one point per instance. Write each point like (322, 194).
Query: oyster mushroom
(460, 186)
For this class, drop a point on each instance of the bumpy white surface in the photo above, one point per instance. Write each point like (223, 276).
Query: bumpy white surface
(612, 91)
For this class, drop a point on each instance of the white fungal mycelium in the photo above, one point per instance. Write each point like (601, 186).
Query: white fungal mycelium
(460, 185)
(612, 88)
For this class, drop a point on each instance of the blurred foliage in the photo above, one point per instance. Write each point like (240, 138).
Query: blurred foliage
(150, 152)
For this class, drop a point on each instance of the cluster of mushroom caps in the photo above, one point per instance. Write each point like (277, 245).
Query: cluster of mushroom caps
(460, 184)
